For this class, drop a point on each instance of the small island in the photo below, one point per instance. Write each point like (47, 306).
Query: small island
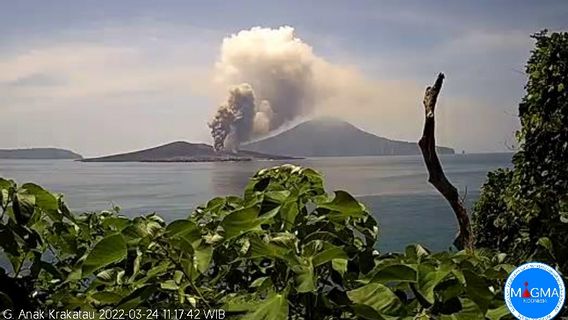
(39, 154)
(182, 151)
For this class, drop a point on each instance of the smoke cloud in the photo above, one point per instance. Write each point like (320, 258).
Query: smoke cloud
(271, 74)
(274, 79)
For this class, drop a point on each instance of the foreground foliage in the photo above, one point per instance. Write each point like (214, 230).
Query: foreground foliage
(524, 211)
(286, 249)
(289, 250)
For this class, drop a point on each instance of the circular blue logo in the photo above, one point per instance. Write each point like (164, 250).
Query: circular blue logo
(534, 291)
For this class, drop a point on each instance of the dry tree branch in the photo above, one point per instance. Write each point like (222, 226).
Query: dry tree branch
(436, 174)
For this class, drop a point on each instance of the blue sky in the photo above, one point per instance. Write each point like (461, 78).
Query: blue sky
(110, 76)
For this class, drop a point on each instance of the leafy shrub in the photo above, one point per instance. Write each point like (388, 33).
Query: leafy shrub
(286, 249)
(524, 212)
(491, 212)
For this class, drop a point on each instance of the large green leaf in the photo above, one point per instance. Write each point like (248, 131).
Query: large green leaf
(288, 212)
(277, 196)
(23, 206)
(365, 312)
(274, 307)
(469, 311)
(6, 184)
(328, 253)
(305, 277)
(202, 258)
(377, 296)
(6, 188)
(339, 265)
(416, 252)
(184, 228)
(241, 221)
(477, 288)
(344, 206)
(547, 244)
(106, 297)
(169, 285)
(215, 204)
(395, 272)
(184, 247)
(234, 303)
(135, 231)
(44, 200)
(116, 223)
(137, 297)
(428, 278)
(264, 249)
(108, 250)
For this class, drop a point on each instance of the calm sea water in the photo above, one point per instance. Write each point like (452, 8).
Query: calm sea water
(395, 189)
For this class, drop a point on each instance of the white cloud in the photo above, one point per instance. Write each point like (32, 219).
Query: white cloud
(100, 96)
(89, 71)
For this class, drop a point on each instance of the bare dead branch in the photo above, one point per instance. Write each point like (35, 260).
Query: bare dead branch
(437, 177)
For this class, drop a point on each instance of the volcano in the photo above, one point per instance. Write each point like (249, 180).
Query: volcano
(331, 137)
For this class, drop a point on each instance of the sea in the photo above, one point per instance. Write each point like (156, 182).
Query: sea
(394, 188)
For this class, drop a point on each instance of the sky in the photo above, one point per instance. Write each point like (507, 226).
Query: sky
(102, 77)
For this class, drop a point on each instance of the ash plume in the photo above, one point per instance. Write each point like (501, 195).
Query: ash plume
(233, 121)
(286, 81)
(271, 77)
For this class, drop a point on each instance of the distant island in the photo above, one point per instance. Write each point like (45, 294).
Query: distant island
(323, 137)
(331, 137)
(39, 153)
(181, 151)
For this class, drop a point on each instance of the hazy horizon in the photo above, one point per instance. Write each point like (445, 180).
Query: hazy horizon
(292, 125)
(104, 78)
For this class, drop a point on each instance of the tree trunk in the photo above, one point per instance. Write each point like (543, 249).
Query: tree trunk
(437, 177)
